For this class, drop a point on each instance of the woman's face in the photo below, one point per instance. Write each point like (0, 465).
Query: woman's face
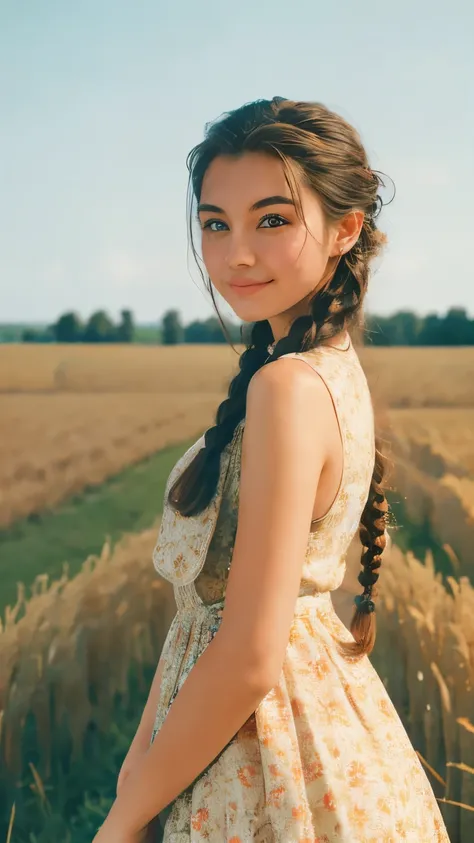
(268, 244)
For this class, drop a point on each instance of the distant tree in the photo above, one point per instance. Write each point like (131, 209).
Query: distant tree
(37, 335)
(172, 329)
(458, 329)
(196, 332)
(100, 328)
(68, 328)
(126, 328)
(401, 328)
(211, 331)
(431, 332)
(406, 328)
(215, 331)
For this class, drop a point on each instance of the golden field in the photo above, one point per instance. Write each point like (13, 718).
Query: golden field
(399, 377)
(54, 445)
(73, 415)
(83, 633)
(432, 450)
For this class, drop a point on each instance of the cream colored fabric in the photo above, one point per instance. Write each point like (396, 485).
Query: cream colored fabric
(325, 757)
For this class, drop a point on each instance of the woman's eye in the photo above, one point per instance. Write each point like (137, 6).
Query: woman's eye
(210, 223)
(271, 219)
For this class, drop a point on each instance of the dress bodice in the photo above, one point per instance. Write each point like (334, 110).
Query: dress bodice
(195, 553)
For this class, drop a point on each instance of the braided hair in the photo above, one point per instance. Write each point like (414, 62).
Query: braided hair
(319, 147)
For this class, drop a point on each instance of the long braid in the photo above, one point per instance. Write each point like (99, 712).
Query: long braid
(331, 312)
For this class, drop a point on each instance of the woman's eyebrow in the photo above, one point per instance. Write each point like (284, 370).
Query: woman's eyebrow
(262, 203)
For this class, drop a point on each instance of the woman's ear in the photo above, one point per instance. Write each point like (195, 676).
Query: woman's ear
(348, 232)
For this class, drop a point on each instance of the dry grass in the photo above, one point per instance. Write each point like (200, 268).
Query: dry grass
(420, 377)
(72, 416)
(86, 632)
(439, 440)
(115, 368)
(54, 447)
(432, 450)
(83, 632)
(399, 377)
(431, 633)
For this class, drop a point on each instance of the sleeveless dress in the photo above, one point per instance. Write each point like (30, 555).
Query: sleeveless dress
(325, 757)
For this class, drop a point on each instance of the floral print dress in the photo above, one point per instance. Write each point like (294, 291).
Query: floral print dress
(325, 757)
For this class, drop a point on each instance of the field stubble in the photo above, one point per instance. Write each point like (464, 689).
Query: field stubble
(73, 415)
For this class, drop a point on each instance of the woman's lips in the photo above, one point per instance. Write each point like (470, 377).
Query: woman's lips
(250, 288)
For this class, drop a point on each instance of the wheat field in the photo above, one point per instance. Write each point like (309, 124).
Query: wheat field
(54, 447)
(74, 415)
(122, 611)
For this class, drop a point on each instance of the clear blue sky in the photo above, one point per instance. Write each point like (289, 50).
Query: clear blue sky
(102, 99)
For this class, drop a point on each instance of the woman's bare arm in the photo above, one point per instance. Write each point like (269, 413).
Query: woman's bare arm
(142, 737)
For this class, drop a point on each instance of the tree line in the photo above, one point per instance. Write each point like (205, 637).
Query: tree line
(401, 328)
(99, 328)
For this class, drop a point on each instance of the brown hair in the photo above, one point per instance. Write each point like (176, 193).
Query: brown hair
(320, 148)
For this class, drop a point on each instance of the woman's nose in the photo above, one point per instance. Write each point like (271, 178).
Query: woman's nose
(239, 252)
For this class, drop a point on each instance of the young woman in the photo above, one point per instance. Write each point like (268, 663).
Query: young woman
(267, 720)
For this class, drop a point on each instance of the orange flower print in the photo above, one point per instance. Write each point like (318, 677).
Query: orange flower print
(384, 707)
(358, 817)
(312, 771)
(296, 771)
(274, 797)
(308, 624)
(328, 800)
(297, 812)
(401, 829)
(245, 774)
(294, 636)
(201, 816)
(333, 749)
(274, 770)
(321, 668)
(356, 773)
(404, 796)
(383, 806)
(334, 713)
(178, 562)
(266, 735)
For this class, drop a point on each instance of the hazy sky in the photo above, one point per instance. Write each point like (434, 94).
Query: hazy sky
(100, 101)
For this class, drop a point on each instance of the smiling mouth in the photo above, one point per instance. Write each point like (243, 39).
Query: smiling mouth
(249, 288)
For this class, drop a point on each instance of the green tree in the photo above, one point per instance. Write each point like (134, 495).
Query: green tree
(196, 332)
(68, 328)
(458, 329)
(126, 329)
(172, 328)
(211, 331)
(37, 335)
(431, 330)
(405, 328)
(100, 328)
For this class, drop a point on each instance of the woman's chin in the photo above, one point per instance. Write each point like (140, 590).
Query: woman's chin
(251, 314)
